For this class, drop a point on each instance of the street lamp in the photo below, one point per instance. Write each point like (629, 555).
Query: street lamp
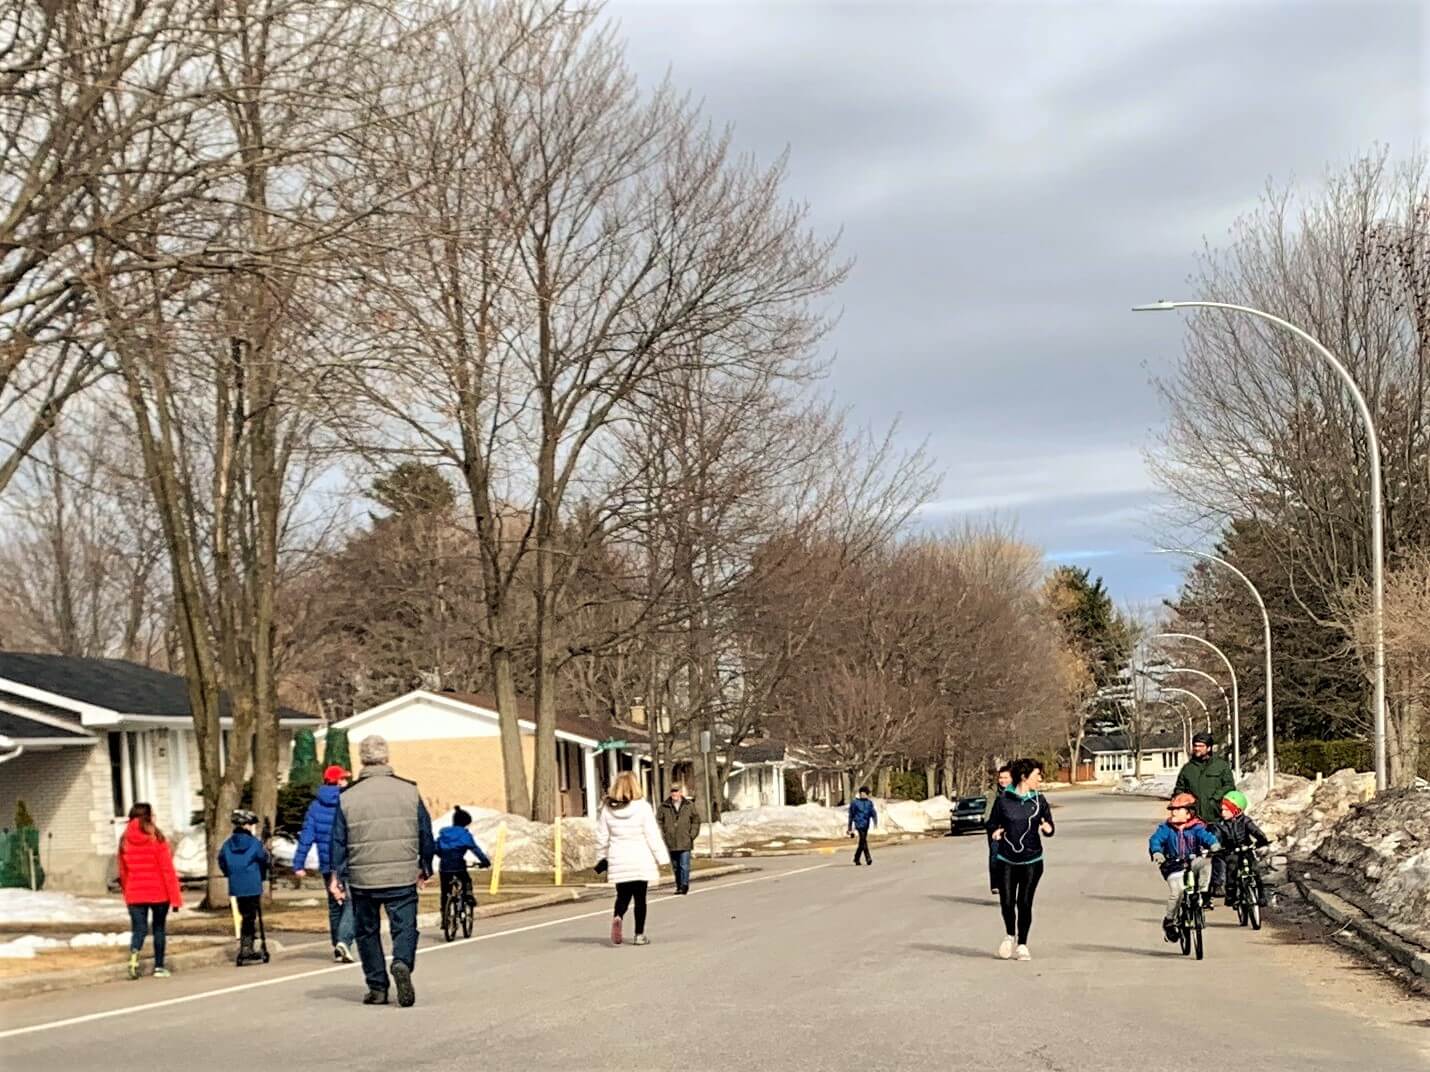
(1235, 692)
(1203, 674)
(1266, 625)
(1377, 512)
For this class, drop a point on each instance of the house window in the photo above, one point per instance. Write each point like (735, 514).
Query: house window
(116, 772)
(563, 765)
(1169, 759)
(124, 782)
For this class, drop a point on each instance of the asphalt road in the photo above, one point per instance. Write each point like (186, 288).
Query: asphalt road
(809, 964)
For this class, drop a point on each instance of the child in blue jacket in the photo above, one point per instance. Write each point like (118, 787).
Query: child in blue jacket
(862, 815)
(1181, 840)
(453, 844)
(244, 861)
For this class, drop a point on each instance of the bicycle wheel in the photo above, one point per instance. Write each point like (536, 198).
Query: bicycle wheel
(1253, 913)
(1197, 938)
(468, 918)
(1185, 926)
(449, 919)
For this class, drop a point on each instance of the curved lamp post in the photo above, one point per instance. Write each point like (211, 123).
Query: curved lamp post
(1377, 514)
(1226, 702)
(1266, 625)
(1235, 692)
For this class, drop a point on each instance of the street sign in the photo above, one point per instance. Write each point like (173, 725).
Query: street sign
(705, 741)
(611, 744)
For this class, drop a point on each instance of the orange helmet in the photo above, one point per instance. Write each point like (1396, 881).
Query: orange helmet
(1182, 800)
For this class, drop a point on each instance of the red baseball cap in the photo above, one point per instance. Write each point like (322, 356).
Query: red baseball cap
(335, 774)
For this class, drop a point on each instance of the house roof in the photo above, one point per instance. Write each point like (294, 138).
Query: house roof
(1117, 742)
(17, 726)
(115, 684)
(766, 751)
(576, 725)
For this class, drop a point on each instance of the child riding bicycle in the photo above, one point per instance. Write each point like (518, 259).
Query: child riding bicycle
(1237, 830)
(453, 844)
(1178, 843)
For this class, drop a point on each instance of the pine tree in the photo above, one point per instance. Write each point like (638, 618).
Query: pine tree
(304, 769)
(335, 749)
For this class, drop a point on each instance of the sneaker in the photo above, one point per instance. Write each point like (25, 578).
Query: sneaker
(375, 997)
(616, 931)
(858, 863)
(134, 965)
(343, 952)
(1170, 931)
(1023, 953)
(161, 972)
(641, 939)
(1005, 948)
(402, 976)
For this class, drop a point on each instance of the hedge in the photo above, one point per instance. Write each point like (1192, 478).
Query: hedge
(1309, 758)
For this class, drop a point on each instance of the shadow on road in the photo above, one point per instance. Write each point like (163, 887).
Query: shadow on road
(1124, 900)
(351, 994)
(981, 902)
(953, 950)
(584, 941)
(1126, 951)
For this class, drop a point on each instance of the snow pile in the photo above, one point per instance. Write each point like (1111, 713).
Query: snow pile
(18, 907)
(283, 848)
(1300, 814)
(96, 938)
(757, 825)
(937, 809)
(529, 844)
(906, 817)
(26, 947)
(191, 856)
(1156, 785)
(1382, 849)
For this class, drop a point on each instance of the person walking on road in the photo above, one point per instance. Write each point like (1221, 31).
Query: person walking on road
(862, 815)
(381, 853)
(149, 884)
(318, 830)
(630, 846)
(1005, 779)
(244, 861)
(1209, 778)
(1021, 819)
(680, 827)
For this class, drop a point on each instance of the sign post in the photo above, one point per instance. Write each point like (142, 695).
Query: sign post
(705, 750)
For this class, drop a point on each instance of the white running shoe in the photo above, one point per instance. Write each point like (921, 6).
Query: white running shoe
(1005, 950)
(1023, 953)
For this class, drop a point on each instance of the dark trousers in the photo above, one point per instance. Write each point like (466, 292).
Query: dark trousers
(248, 914)
(1218, 871)
(863, 848)
(465, 877)
(139, 928)
(340, 917)
(400, 903)
(680, 865)
(1017, 885)
(628, 893)
(995, 866)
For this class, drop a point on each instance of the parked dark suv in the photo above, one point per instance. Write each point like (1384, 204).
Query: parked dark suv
(967, 814)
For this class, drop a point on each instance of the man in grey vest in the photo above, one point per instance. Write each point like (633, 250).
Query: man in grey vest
(381, 852)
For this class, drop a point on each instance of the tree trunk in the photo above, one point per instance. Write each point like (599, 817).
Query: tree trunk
(1404, 722)
(544, 805)
(518, 801)
(930, 781)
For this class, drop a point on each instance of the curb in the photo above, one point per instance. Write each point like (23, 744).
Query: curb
(219, 951)
(1410, 957)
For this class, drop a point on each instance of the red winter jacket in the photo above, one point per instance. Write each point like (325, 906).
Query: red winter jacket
(146, 869)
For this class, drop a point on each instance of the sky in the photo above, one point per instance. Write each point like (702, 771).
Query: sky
(1009, 178)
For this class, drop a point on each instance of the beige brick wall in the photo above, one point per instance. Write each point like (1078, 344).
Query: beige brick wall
(67, 793)
(449, 772)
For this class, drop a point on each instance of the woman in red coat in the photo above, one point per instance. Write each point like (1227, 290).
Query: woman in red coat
(146, 875)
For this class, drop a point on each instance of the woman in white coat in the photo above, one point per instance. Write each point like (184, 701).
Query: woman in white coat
(628, 841)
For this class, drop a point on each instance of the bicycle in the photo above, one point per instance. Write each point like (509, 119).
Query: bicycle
(1190, 919)
(457, 911)
(1245, 881)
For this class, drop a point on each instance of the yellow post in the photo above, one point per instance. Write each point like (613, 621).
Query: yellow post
(233, 905)
(556, 847)
(496, 860)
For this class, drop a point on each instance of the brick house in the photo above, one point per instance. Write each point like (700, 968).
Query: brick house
(84, 740)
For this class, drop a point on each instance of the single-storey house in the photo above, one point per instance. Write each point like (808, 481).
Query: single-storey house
(88, 739)
(1112, 758)
(449, 743)
(756, 775)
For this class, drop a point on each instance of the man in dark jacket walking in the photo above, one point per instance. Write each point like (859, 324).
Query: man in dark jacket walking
(1207, 777)
(382, 852)
(679, 826)
(862, 815)
(318, 831)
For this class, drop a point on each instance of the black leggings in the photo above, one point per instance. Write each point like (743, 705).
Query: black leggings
(1017, 883)
(626, 892)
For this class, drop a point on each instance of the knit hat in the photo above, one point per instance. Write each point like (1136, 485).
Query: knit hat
(334, 774)
(461, 817)
(1204, 738)
(1182, 800)
(1236, 799)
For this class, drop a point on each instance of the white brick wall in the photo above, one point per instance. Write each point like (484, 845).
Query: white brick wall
(67, 793)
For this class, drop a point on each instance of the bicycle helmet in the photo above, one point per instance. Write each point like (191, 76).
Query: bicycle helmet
(243, 817)
(1182, 800)
(1237, 799)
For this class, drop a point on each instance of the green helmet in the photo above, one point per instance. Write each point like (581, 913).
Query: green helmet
(1237, 798)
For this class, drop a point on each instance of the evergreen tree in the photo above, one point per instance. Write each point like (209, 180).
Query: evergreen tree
(304, 770)
(335, 749)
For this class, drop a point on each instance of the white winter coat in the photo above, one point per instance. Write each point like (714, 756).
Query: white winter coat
(628, 839)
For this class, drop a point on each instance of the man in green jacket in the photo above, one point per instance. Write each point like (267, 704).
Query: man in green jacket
(1208, 778)
(680, 826)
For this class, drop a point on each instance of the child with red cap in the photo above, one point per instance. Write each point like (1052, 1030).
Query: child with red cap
(1237, 830)
(318, 831)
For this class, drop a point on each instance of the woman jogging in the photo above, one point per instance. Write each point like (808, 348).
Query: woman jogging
(150, 886)
(1019, 822)
(629, 843)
